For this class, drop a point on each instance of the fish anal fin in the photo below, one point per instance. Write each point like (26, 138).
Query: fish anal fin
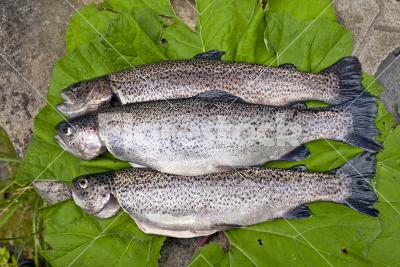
(299, 153)
(210, 55)
(288, 66)
(220, 96)
(300, 168)
(300, 212)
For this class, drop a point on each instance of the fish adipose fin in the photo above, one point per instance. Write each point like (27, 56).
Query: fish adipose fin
(220, 96)
(299, 153)
(210, 55)
(348, 70)
(364, 132)
(360, 170)
(299, 212)
(288, 66)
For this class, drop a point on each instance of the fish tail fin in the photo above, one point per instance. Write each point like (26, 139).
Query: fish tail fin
(348, 69)
(358, 173)
(364, 131)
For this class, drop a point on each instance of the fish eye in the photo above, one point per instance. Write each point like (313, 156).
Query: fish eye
(68, 131)
(83, 183)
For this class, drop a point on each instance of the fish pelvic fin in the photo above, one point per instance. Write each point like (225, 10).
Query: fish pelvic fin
(299, 153)
(348, 70)
(359, 172)
(300, 212)
(364, 131)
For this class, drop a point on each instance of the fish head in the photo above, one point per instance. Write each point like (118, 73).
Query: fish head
(93, 194)
(84, 97)
(80, 137)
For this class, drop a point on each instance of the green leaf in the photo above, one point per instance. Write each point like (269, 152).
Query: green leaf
(306, 11)
(216, 32)
(80, 29)
(310, 47)
(210, 255)
(388, 186)
(70, 232)
(161, 7)
(8, 157)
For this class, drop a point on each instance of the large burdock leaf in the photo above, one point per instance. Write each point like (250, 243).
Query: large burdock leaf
(81, 239)
(387, 244)
(221, 25)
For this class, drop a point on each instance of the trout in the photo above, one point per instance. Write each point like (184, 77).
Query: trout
(189, 206)
(201, 135)
(253, 83)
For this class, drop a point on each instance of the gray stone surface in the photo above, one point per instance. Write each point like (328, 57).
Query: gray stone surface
(389, 75)
(375, 25)
(32, 39)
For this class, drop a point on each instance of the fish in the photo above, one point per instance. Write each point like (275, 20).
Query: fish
(207, 134)
(191, 206)
(52, 192)
(257, 84)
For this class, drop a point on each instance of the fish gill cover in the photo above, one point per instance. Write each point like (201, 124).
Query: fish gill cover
(145, 31)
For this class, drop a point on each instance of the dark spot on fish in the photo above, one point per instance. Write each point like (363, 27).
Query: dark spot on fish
(260, 242)
(345, 251)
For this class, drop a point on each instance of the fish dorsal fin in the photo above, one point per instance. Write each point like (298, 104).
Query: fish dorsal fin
(298, 105)
(220, 96)
(288, 66)
(300, 212)
(210, 55)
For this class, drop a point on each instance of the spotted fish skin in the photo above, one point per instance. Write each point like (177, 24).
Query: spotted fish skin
(187, 206)
(253, 83)
(197, 136)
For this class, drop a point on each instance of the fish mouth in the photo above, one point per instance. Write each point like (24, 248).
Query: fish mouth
(72, 110)
(60, 141)
(65, 146)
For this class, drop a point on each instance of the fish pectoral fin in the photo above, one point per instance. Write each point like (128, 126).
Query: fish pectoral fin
(220, 96)
(300, 212)
(135, 165)
(299, 153)
(288, 66)
(298, 105)
(210, 55)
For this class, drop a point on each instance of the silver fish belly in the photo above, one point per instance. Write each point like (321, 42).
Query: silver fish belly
(188, 206)
(186, 78)
(197, 136)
